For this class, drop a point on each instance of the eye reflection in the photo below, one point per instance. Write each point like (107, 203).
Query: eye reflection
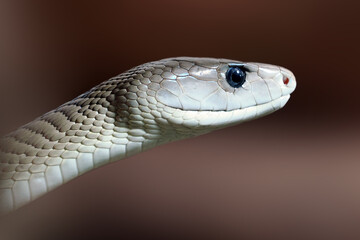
(235, 76)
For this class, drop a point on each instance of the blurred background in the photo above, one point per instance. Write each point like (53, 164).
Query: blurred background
(294, 174)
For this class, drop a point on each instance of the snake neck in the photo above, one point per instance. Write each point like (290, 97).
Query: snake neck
(62, 145)
(113, 120)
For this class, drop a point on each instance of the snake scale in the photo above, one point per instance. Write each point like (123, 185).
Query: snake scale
(148, 105)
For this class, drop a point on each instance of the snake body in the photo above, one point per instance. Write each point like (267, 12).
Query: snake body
(144, 107)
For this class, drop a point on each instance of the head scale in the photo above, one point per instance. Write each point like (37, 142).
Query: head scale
(181, 97)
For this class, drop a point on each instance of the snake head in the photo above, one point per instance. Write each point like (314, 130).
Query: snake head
(190, 96)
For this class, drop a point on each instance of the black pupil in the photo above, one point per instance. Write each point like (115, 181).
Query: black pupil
(235, 76)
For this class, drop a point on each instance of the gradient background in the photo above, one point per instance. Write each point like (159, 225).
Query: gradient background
(292, 175)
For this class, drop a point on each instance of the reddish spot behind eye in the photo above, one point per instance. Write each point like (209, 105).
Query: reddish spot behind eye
(286, 81)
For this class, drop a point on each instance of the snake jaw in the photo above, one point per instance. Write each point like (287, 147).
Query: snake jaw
(184, 97)
(196, 92)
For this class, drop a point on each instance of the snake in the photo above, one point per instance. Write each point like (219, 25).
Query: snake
(147, 106)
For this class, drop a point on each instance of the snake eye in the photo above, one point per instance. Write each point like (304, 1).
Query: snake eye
(235, 76)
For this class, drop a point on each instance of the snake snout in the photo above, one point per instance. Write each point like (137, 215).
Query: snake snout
(289, 81)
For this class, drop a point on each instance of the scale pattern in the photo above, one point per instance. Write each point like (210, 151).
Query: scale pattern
(127, 114)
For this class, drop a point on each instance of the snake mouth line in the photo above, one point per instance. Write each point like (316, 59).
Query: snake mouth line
(283, 100)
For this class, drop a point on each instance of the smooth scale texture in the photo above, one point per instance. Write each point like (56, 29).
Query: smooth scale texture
(146, 106)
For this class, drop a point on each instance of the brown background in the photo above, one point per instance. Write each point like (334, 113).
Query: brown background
(292, 175)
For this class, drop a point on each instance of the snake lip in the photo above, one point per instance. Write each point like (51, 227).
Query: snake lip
(276, 105)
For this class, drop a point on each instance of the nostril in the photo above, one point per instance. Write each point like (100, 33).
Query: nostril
(286, 80)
